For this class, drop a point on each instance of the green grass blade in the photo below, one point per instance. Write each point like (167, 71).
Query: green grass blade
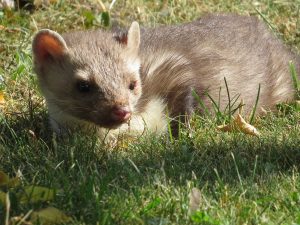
(229, 99)
(201, 103)
(169, 128)
(295, 79)
(255, 106)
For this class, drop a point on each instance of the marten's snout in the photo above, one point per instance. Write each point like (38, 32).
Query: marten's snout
(120, 113)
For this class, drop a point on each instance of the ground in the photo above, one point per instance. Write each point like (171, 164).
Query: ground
(242, 179)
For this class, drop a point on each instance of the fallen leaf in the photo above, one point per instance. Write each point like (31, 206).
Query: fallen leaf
(36, 194)
(239, 124)
(226, 128)
(245, 127)
(2, 99)
(49, 216)
(195, 200)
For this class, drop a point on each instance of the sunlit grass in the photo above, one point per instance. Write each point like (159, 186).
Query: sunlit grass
(243, 179)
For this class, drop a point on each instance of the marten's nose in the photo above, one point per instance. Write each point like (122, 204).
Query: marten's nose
(121, 114)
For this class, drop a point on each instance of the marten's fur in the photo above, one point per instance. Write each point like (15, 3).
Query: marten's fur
(154, 71)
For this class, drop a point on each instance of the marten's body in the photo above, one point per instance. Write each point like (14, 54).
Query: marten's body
(97, 78)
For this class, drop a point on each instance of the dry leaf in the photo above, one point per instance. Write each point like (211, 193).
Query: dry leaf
(239, 124)
(245, 127)
(36, 194)
(226, 128)
(49, 216)
(2, 99)
(195, 200)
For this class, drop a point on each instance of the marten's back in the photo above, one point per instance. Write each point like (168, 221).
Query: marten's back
(239, 48)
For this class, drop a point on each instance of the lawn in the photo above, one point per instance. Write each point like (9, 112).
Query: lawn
(238, 178)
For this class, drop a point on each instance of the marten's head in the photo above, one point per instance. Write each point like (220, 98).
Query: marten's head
(92, 76)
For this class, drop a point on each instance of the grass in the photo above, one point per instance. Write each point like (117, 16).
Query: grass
(242, 179)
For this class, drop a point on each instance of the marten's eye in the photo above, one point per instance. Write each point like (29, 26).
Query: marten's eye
(83, 86)
(132, 85)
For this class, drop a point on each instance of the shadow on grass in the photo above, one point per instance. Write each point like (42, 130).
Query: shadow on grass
(88, 173)
(208, 157)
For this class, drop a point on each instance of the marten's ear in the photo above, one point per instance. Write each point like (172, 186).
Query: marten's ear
(46, 45)
(133, 39)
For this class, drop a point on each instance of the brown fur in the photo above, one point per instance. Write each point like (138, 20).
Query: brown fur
(167, 63)
(203, 52)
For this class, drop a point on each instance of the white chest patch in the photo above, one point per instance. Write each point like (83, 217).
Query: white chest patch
(154, 116)
(151, 120)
